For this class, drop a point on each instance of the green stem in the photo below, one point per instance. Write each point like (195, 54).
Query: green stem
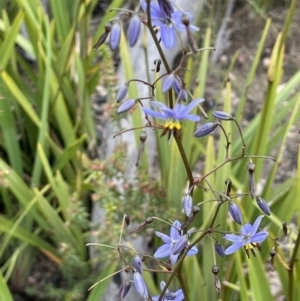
(291, 266)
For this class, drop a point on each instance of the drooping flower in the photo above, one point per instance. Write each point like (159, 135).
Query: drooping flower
(175, 115)
(179, 89)
(205, 129)
(126, 105)
(115, 35)
(167, 250)
(122, 92)
(168, 22)
(134, 29)
(176, 296)
(188, 205)
(140, 285)
(168, 83)
(235, 212)
(220, 249)
(262, 204)
(248, 238)
(222, 115)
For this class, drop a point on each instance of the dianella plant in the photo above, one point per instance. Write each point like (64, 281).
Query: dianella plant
(228, 238)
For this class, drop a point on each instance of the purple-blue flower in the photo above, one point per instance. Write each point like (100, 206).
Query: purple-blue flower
(115, 35)
(173, 116)
(176, 296)
(126, 105)
(172, 241)
(168, 25)
(248, 238)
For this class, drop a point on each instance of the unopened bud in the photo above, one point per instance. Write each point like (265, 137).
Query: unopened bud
(187, 204)
(220, 249)
(284, 228)
(122, 92)
(235, 212)
(205, 129)
(124, 290)
(215, 269)
(251, 169)
(127, 219)
(137, 263)
(126, 106)
(262, 204)
(222, 115)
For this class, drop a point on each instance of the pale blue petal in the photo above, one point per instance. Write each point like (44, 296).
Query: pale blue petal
(163, 251)
(168, 36)
(140, 285)
(179, 295)
(173, 259)
(259, 237)
(246, 229)
(192, 105)
(154, 113)
(169, 80)
(164, 237)
(256, 225)
(192, 117)
(234, 247)
(175, 231)
(233, 237)
(192, 251)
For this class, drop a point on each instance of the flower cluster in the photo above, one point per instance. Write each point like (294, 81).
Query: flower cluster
(163, 16)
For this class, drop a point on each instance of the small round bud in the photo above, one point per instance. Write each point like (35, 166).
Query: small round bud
(196, 209)
(149, 220)
(272, 252)
(215, 269)
(185, 20)
(143, 136)
(251, 167)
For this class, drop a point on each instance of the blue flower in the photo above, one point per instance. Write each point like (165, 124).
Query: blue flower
(134, 29)
(168, 25)
(248, 238)
(175, 115)
(167, 250)
(177, 296)
(115, 35)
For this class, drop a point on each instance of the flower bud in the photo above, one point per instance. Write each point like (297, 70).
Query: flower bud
(222, 115)
(251, 169)
(140, 285)
(205, 129)
(262, 204)
(180, 245)
(137, 263)
(235, 212)
(122, 92)
(115, 35)
(220, 249)
(124, 290)
(284, 228)
(182, 93)
(168, 83)
(134, 29)
(126, 106)
(187, 204)
(215, 269)
(127, 219)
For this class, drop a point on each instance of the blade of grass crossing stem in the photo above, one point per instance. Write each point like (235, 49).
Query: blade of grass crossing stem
(250, 77)
(271, 177)
(258, 280)
(9, 131)
(43, 130)
(133, 92)
(4, 289)
(8, 44)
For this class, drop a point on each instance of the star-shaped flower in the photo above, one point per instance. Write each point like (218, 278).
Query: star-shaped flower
(248, 238)
(171, 242)
(177, 296)
(175, 115)
(168, 25)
